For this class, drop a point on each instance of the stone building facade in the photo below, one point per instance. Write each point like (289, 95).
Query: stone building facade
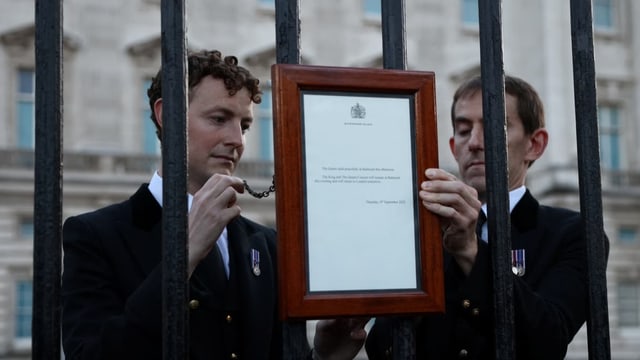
(112, 49)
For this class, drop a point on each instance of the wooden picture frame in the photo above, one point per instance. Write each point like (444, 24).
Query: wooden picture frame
(351, 147)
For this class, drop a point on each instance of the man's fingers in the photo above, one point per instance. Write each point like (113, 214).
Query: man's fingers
(439, 209)
(460, 197)
(357, 327)
(359, 334)
(439, 174)
(238, 184)
(218, 182)
(221, 190)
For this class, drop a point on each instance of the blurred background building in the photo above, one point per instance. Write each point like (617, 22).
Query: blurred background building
(112, 49)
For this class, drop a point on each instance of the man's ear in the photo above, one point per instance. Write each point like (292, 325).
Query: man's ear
(537, 144)
(157, 111)
(452, 146)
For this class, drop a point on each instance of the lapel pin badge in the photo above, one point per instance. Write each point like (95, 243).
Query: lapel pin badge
(255, 262)
(518, 264)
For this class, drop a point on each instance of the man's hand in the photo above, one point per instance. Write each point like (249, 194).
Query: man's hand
(214, 205)
(339, 339)
(458, 207)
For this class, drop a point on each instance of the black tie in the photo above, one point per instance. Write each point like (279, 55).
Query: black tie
(482, 218)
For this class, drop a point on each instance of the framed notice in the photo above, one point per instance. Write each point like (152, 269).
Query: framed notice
(351, 147)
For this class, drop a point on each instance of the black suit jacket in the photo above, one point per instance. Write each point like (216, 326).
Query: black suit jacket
(550, 300)
(112, 281)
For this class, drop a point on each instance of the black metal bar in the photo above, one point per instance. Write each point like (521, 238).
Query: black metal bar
(394, 56)
(394, 42)
(296, 345)
(47, 211)
(294, 333)
(492, 70)
(287, 31)
(584, 83)
(174, 169)
(403, 334)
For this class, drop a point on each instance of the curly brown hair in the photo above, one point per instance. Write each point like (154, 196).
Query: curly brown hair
(209, 63)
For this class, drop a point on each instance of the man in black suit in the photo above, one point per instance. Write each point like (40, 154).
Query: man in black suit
(111, 290)
(548, 248)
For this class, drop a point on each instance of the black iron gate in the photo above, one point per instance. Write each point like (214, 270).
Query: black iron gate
(48, 171)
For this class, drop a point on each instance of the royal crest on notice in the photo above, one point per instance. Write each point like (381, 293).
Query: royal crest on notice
(358, 111)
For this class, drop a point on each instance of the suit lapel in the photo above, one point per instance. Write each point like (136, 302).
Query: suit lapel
(525, 214)
(143, 233)
(209, 279)
(238, 248)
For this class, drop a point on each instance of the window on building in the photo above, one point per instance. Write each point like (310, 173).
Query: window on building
(150, 143)
(628, 304)
(372, 8)
(265, 126)
(25, 109)
(603, 14)
(469, 12)
(24, 298)
(25, 228)
(267, 3)
(609, 119)
(627, 235)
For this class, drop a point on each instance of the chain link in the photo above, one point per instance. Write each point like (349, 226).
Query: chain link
(261, 194)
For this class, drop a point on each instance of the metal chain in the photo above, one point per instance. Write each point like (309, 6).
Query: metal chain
(261, 194)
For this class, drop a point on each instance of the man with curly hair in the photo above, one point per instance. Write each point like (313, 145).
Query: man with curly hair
(112, 281)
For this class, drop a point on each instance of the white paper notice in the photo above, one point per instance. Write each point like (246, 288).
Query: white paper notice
(360, 194)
